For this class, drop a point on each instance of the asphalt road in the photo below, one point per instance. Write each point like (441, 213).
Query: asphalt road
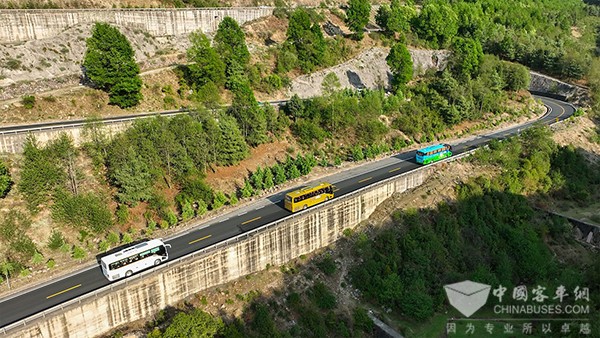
(33, 301)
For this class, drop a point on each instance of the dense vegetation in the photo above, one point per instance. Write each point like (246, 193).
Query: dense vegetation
(490, 234)
(536, 34)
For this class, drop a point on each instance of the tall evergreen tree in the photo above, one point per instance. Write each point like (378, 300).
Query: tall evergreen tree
(109, 62)
(133, 179)
(230, 44)
(357, 16)
(401, 64)
(307, 40)
(206, 65)
(250, 116)
(231, 145)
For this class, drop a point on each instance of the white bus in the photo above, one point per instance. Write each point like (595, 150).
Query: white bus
(134, 258)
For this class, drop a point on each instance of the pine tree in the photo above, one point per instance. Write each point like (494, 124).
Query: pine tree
(357, 16)
(279, 174)
(231, 145)
(247, 190)
(268, 179)
(230, 44)
(257, 179)
(206, 66)
(109, 62)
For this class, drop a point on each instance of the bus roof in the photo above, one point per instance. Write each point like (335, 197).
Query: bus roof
(304, 190)
(433, 147)
(131, 250)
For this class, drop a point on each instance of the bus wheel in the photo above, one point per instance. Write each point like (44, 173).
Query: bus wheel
(304, 207)
(156, 262)
(128, 273)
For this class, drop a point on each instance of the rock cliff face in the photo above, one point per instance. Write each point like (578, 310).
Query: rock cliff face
(367, 70)
(546, 84)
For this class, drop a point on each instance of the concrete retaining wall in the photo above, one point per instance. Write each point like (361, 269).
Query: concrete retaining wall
(26, 25)
(143, 295)
(13, 142)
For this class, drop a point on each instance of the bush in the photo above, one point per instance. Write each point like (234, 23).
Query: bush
(122, 214)
(28, 101)
(219, 200)
(5, 180)
(233, 200)
(362, 320)
(56, 240)
(308, 132)
(327, 265)
(323, 297)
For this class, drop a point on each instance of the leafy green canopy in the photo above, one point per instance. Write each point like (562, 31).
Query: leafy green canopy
(109, 62)
(357, 16)
(401, 64)
(490, 235)
(230, 45)
(306, 40)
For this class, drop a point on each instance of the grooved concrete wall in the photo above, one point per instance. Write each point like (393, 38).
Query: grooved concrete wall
(25, 25)
(11, 142)
(139, 298)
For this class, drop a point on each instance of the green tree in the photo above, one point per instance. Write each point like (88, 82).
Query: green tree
(5, 180)
(109, 62)
(400, 16)
(268, 182)
(230, 44)
(7, 268)
(40, 174)
(331, 83)
(467, 55)
(401, 64)
(133, 179)
(250, 116)
(357, 16)
(209, 96)
(219, 200)
(206, 66)
(307, 40)
(257, 179)
(437, 23)
(516, 76)
(78, 253)
(231, 145)
(279, 174)
(37, 258)
(247, 190)
(126, 93)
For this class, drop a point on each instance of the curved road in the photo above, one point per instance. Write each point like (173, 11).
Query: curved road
(23, 305)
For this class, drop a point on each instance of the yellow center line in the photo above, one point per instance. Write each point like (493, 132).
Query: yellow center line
(251, 220)
(199, 239)
(63, 291)
(391, 171)
(334, 190)
(563, 111)
(365, 179)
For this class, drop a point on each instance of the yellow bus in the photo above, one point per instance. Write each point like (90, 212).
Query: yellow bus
(308, 196)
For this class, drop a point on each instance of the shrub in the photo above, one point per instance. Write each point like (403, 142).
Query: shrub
(56, 240)
(28, 101)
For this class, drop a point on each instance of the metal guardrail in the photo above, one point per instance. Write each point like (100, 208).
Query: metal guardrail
(109, 120)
